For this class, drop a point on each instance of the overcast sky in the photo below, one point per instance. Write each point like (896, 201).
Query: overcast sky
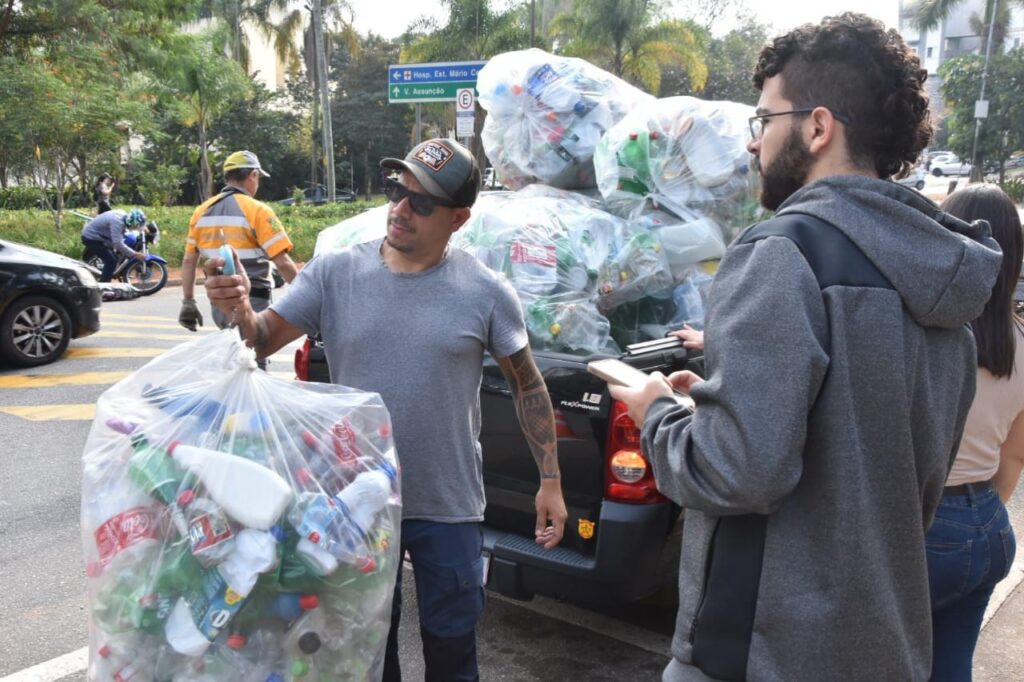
(390, 18)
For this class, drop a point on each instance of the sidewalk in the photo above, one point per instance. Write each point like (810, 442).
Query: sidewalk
(1000, 653)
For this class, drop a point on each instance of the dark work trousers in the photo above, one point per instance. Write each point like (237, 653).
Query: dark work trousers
(98, 248)
(448, 568)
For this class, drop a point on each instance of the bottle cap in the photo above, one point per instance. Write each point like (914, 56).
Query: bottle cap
(308, 601)
(300, 668)
(633, 136)
(309, 439)
(369, 565)
(314, 537)
(93, 569)
(236, 642)
(274, 677)
(655, 135)
(304, 475)
(185, 497)
(104, 651)
(278, 532)
(309, 643)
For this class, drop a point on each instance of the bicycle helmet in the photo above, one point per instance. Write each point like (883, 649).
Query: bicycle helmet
(135, 218)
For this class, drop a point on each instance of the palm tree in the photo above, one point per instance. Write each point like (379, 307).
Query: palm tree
(258, 15)
(628, 38)
(929, 14)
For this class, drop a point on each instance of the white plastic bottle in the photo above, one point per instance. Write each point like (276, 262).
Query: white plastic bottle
(250, 493)
(198, 618)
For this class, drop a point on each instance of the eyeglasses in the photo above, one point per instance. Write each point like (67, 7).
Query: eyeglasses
(421, 204)
(757, 123)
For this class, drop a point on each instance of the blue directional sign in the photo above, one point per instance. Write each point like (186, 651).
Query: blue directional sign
(438, 82)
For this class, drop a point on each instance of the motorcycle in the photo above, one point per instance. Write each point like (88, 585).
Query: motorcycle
(147, 276)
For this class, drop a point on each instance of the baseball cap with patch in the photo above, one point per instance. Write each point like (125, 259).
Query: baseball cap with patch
(445, 168)
(244, 159)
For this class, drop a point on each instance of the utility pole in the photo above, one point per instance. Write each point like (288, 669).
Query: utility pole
(977, 172)
(533, 23)
(327, 137)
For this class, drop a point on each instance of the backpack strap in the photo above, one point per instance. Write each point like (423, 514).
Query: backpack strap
(833, 258)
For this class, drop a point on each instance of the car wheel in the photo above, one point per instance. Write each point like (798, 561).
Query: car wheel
(919, 185)
(34, 330)
(937, 172)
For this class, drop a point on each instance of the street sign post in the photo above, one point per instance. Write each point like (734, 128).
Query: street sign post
(436, 82)
(465, 112)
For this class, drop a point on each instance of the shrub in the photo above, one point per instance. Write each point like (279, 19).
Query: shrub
(1014, 188)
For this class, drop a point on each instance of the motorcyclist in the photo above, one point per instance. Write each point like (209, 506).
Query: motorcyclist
(103, 236)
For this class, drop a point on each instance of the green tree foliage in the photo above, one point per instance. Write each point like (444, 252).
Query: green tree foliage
(206, 86)
(365, 124)
(264, 124)
(277, 21)
(730, 61)
(632, 40)
(1002, 132)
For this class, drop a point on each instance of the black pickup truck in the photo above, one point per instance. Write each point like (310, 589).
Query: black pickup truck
(622, 537)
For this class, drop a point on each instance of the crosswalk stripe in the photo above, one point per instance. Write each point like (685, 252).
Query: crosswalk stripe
(50, 380)
(149, 325)
(107, 352)
(45, 413)
(143, 336)
(126, 316)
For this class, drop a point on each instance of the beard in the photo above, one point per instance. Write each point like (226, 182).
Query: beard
(786, 173)
(404, 248)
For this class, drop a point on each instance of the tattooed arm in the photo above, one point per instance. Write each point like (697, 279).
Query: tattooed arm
(537, 419)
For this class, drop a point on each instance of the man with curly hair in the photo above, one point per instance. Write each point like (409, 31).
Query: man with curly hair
(839, 374)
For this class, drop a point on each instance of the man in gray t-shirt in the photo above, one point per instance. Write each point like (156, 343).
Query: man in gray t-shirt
(411, 319)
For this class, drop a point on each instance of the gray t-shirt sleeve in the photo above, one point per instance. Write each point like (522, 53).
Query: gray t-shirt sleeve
(302, 305)
(507, 329)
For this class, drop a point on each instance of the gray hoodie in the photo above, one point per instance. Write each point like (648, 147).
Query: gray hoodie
(840, 371)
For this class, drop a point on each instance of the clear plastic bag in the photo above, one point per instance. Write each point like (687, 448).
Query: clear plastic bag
(683, 154)
(546, 115)
(237, 526)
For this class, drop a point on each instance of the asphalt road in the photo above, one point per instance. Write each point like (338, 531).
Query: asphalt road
(45, 416)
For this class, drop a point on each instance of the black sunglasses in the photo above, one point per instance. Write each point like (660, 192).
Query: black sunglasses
(421, 204)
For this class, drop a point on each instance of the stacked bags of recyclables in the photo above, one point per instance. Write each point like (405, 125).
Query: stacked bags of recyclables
(546, 115)
(595, 272)
(237, 526)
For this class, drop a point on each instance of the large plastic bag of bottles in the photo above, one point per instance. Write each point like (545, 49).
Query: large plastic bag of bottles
(237, 526)
(369, 225)
(546, 115)
(684, 155)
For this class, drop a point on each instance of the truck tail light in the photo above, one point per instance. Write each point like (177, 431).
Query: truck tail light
(628, 474)
(302, 360)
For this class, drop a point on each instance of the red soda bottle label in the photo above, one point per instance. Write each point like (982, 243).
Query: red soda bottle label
(124, 530)
(208, 530)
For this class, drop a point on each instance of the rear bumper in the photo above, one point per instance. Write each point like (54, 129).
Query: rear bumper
(635, 555)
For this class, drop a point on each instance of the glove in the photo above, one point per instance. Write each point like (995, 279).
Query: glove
(190, 316)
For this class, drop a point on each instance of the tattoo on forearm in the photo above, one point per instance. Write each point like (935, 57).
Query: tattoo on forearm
(258, 337)
(533, 406)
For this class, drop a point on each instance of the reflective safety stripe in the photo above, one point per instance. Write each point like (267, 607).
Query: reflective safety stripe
(243, 254)
(222, 221)
(278, 237)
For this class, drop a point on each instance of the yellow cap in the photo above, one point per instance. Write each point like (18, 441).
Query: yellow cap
(244, 159)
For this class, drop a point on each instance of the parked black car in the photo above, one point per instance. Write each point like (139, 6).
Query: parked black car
(45, 301)
(318, 195)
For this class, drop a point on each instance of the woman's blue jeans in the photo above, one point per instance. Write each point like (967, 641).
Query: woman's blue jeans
(970, 548)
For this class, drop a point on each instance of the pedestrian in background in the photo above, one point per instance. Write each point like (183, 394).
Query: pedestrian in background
(971, 544)
(235, 217)
(102, 191)
(839, 375)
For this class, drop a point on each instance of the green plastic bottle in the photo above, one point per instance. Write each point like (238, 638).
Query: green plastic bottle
(153, 470)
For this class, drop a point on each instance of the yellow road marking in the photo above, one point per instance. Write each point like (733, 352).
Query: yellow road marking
(48, 380)
(125, 316)
(150, 325)
(44, 413)
(144, 336)
(73, 353)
